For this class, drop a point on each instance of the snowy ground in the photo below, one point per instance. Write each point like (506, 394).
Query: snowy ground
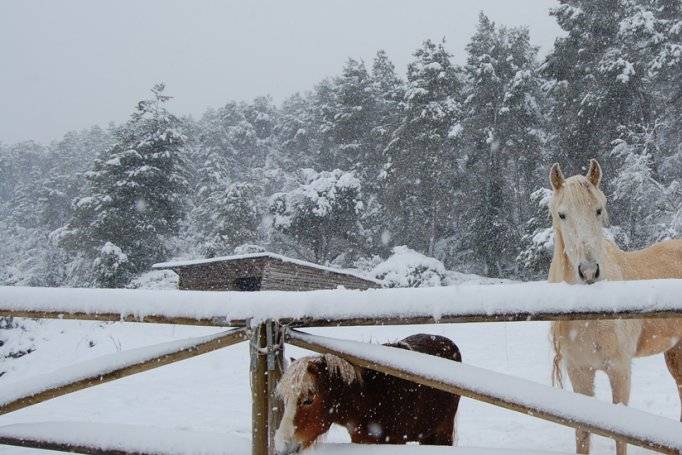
(210, 393)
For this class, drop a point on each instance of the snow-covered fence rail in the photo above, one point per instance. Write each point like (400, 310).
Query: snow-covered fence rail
(15, 396)
(119, 439)
(560, 406)
(537, 301)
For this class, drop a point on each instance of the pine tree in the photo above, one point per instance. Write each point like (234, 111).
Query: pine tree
(136, 197)
(502, 132)
(596, 85)
(226, 218)
(69, 159)
(295, 133)
(319, 219)
(420, 170)
(348, 119)
(388, 92)
(537, 243)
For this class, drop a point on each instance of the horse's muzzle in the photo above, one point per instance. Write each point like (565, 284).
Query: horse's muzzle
(288, 448)
(588, 271)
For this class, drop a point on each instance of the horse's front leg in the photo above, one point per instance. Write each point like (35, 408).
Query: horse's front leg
(582, 380)
(620, 378)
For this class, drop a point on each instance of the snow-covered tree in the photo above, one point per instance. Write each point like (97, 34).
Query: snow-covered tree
(320, 217)
(420, 169)
(112, 267)
(388, 92)
(348, 120)
(537, 243)
(137, 191)
(649, 210)
(407, 268)
(295, 133)
(226, 218)
(502, 130)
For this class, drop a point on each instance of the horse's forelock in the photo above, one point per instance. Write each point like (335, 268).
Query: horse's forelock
(577, 190)
(342, 368)
(298, 380)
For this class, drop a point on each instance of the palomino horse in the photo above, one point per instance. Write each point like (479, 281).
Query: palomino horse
(374, 407)
(582, 254)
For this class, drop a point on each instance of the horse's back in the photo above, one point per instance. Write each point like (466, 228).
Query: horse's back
(429, 417)
(661, 260)
(430, 344)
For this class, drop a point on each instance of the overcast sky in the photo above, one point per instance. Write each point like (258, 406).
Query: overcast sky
(68, 65)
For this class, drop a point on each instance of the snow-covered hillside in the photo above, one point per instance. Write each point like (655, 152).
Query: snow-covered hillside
(210, 393)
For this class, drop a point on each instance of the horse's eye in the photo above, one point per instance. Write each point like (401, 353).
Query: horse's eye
(307, 402)
(598, 212)
(562, 216)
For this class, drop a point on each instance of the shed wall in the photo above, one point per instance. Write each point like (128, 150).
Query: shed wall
(284, 276)
(218, 276)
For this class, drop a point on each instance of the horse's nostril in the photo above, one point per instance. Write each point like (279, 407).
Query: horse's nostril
(580, 273)
(596, 274)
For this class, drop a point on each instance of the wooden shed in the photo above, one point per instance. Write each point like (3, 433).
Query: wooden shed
(262, 272)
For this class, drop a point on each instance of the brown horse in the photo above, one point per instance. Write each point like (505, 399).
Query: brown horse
(374, 407)
(583, 255)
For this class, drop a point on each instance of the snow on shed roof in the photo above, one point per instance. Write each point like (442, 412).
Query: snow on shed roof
(264, 255)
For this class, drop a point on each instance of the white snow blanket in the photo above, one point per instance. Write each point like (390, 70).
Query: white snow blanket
(97, 367)
(638, 425)
(464, 301)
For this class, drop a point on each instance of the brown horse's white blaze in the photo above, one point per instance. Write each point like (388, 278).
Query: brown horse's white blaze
(374, 407)
(583, 255)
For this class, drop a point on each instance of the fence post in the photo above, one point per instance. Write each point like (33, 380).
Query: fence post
(275, 366)
(259, 391)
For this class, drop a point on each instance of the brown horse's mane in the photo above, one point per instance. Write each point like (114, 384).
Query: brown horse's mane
(297, 379)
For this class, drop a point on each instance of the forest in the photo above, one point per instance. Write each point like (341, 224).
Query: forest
(448, 160)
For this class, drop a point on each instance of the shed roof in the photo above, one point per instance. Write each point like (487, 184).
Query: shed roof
(263, 255)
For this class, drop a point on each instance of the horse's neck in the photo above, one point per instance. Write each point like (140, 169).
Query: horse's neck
(617, 261)
(347, 401)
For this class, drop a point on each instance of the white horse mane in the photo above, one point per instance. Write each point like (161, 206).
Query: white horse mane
(297, 380)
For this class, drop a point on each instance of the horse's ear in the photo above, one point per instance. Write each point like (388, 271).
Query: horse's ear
(556, 177)
(594, 173)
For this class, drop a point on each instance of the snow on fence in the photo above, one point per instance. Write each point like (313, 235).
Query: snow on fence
(464, 303)
(266, 316)
(100, 439)
(78, 376)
